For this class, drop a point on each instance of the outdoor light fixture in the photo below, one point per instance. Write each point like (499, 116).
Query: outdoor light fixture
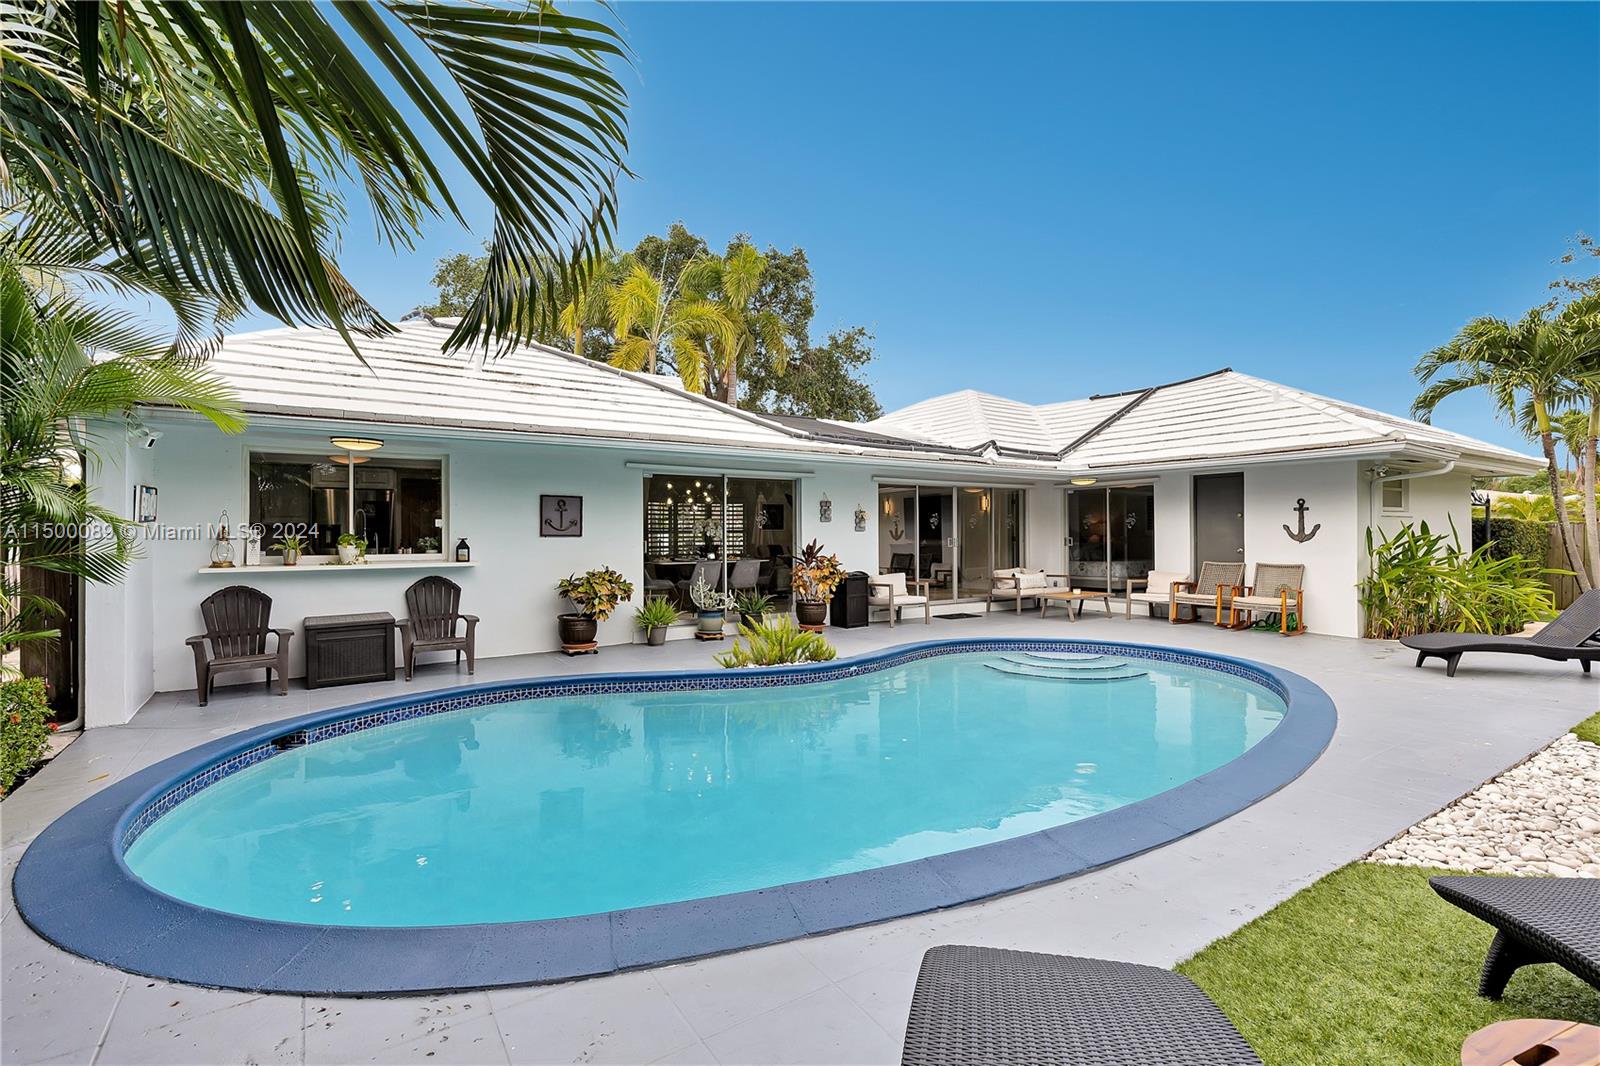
(356, 444)
(1084, 480)
(349, 460)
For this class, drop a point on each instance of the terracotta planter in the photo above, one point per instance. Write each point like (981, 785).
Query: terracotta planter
(709, 622)
(655, 636)
(811, 614)
(576, 629)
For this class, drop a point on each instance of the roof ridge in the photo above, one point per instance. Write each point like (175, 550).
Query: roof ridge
(1317, 403)
(1106, 422)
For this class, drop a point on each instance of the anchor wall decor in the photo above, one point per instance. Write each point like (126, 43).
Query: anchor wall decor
(560, 516)
(1304, 534)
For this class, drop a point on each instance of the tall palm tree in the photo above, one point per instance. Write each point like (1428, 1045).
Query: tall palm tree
(738, 283)
(58, 404)
(1582, 318)
(200, 143)
(589, 307)
(1529, 368)
(655, 322)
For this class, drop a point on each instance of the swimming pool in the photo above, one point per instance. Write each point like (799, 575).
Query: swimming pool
(682, 814)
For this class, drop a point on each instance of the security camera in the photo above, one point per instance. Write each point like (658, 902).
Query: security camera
(148, 437)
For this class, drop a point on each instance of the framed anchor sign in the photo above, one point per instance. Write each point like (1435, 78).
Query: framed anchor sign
(560, 516)
(1303, 534)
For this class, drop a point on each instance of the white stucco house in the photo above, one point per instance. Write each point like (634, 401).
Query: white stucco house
(547, 464)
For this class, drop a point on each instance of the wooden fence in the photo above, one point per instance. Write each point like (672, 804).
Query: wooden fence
(1555, 559)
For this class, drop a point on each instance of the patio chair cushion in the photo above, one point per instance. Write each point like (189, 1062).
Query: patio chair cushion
(1259, 603)
(881, 588)
(1158, 587)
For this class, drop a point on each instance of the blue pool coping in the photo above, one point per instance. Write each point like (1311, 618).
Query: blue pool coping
(73, 888)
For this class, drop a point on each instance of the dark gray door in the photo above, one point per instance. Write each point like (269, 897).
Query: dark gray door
(1218, 519)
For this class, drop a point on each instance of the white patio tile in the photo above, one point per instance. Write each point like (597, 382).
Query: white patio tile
(54, 1005)
(166, 1025)
(471, 1043)
(628, 1018)
(824, 1027)
(719, 993)
(355, 1030)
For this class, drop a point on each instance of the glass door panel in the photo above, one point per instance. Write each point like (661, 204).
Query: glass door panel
(1133, 546)
(937, 540)
(975, 526)
(897, 531)
(759, 539)
(1008, 516)
(1088, 548)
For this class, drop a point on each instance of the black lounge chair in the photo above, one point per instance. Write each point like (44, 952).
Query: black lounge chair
(1575, 634)
(988, 1005)
(1536, 919)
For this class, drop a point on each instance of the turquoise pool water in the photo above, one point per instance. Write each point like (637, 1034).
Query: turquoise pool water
(564, 806)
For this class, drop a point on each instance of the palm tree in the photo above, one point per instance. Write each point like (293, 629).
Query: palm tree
(1582, 318)
(58, 406)
(737, 285)
(1528, 368)
(590, 305)
(198, 144)
(655, 322)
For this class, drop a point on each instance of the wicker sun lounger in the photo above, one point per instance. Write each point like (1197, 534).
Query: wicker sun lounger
(1575, 634)
(1020, 1008)
(1536, 919)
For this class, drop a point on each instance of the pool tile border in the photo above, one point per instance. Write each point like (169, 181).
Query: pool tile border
(86, 846)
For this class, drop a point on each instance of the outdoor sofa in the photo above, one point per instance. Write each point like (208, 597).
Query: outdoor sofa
(990, 1005)
(1575, 634)
(1015, 583)
(1536, 919)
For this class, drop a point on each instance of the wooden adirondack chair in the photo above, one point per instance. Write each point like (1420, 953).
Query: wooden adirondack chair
(237, 623)
(434, 606)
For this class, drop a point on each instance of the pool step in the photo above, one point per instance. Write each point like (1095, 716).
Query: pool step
(1121, 673)
(1103, 663)
(1063, 656)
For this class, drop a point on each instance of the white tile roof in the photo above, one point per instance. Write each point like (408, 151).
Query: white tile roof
(1221, 416)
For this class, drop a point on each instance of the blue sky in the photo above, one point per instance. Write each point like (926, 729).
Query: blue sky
(1047, 201)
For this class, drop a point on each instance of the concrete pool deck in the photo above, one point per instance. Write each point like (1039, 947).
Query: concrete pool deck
(1408, 742)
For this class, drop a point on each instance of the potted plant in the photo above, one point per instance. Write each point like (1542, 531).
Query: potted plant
(752, 607)
(428, 545)
(594, 597)
(351, 547)
(711, 604)
(292, 545)
(654, 618)
(815, 577)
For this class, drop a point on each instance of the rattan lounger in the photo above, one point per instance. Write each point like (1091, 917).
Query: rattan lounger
(1575, 634)
(1536, 919)
(1020, 1008)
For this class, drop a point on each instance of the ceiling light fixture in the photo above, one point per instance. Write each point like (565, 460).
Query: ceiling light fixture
(356, 444)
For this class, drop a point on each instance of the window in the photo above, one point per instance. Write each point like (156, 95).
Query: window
(1395, 496)
(745, 526)
(397, 504)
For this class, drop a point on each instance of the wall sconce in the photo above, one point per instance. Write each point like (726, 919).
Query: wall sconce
(825, 509)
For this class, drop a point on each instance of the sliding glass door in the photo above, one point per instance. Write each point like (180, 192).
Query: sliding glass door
(734, 533)
(1110, 536)
(953, 537)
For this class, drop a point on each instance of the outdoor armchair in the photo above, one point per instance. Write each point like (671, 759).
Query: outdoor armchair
(1213, 589)
(1279, 589)
(433, 606)
(237, 621)
(889, 591)
(1157, 585)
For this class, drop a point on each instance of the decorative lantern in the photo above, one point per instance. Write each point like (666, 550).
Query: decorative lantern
(861, 519)
(222, 546)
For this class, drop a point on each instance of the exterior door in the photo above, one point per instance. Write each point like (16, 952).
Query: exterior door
(1218, 519)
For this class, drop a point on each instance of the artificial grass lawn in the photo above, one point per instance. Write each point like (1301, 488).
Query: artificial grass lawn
(1589, 729)
(1368, 966)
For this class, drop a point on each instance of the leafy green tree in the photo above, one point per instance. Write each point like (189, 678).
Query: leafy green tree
(196, 142)
(757, 333)
(458, 278)
(1529, 369)
(586, 319)
(658, 322)
(823, 381)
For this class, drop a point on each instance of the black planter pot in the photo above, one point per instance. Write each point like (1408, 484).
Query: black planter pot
(576, 629)
(655, 636)
(811, 614)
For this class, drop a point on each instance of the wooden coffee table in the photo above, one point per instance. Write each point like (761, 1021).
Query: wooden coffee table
(1555, 1042)
(1070, 596)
